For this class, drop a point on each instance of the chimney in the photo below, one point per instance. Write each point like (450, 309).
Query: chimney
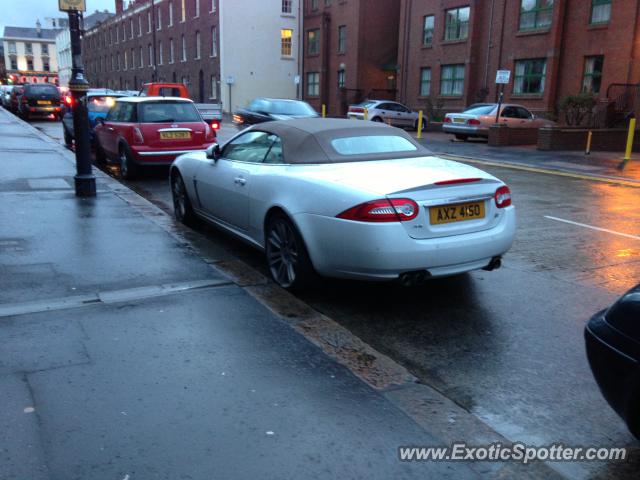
(119, 7)
(38, 28)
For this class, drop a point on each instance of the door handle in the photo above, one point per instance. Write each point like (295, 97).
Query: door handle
(239, 181)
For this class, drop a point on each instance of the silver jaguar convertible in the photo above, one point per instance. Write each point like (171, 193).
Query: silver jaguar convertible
(349, 199)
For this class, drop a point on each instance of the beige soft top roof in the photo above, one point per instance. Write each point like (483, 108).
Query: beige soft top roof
(308, 140)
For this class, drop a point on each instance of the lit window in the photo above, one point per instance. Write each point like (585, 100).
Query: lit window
(425, 82)
(592, 78)
(452, 80)
(535, 14)
(457, 24)
(286, 47)
(530, 76)
(313, 84)
(600, 11)
(427, 30)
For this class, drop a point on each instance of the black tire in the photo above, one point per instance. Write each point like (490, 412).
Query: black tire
(128, 168)
(424, 125)
(376, 119)
(68, 139)
(462, 137)
(182, 208)
(287, 257)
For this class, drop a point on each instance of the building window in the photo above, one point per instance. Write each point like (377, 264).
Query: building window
(600, 11)
(592, 78)
(342, 39)
(529, 76)
(286, 38)
(214, 88)
(171, 51)
(341, 78)
(139, 25)
(29, 48)
(30, 64)
(150, 52)
(44, 47)
(12, 47)
(452, 80)
(214, 42)
(213, 6)
(457, 24)
(286, 6)
(184, 49)
(327, 3)
(125, 64)
(159, 18)
(131, 27)
(117, 33)
(313, 84)
(149, 22)
(170, 13)
(160, 53)
(427, 30)
(197, 9)
(313, 42)
(425, 82)
(183, 11)
(118, 62)
(14, 63)
(141, 59)
(314, 4)
(124, 31)
(133, 59)
(198, 45)
(45, 65)
(535, 14)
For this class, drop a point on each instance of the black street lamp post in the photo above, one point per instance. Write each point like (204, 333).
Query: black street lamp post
(85, 181)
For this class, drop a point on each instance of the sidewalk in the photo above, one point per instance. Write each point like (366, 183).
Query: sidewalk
(125, 356)
(599, 164)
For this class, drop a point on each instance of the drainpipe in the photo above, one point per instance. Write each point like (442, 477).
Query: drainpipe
(408, 8)
(486, 65)
(557, 50)
(301, 84)
(504, 12)
(326, 35)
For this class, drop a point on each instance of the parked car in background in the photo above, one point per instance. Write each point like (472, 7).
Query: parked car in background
(267, 109)
(14, 97)
(40, 100)
(476, 120)
(5, 95)
(98, 102)
(347, 199)
(210, 112)
(386, 111)
(144, 131)
(613, 348)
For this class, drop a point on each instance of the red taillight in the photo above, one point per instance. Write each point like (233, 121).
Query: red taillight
(383, 210)
(68, 100)
(356, 110)
(447, 120)
(473, 121)
(137, 135)
(457, 180)
(209, 133)
(503, 197)
(215, 125)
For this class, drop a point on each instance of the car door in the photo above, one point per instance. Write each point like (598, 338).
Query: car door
(509, 115)
(385, 112)
(222, 186)
(406, 117)
(107, 134)
(525, 116)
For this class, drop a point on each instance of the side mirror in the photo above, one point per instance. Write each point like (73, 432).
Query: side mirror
(213, 152)
(100, 120)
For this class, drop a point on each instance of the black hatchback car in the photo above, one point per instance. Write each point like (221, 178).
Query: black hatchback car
(266, 109)
(40, 100)
(613, 348)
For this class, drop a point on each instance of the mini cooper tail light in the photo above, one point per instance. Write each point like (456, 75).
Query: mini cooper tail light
(473, 121)
(383, 210)
(503, 197)
(137, 135)
(209, 133)
(215, 125)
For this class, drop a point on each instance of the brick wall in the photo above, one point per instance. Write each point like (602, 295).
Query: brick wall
(503, 136)
(611, 140)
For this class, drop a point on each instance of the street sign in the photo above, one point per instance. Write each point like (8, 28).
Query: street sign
(72, 5)
(296, 79)
(502, 76)
(230, 80)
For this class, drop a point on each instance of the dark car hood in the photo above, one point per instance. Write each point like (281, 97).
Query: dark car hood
(624, 315)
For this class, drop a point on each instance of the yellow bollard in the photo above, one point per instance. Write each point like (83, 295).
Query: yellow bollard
(627, 154)
(366, 114)
(324, 111)
(587, 150)
(419, 124)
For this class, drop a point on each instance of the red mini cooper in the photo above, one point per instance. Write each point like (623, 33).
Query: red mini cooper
(140, 131)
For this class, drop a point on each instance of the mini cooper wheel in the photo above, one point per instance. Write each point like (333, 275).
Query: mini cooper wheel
(181, 204)
(287, 256)
(128, 169)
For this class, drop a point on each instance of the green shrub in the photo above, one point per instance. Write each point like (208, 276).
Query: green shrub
(577, 108)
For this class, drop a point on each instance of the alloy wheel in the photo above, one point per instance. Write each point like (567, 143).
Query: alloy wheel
(282, 253)
(179, 199)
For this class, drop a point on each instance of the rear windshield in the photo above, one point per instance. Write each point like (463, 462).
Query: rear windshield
(101, 104)
(42, 90)
(167, 112)
(370, 144)
(366, 104)
(483, 110)
(291, 108)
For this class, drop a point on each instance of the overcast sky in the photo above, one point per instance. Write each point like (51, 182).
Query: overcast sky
(24, 13)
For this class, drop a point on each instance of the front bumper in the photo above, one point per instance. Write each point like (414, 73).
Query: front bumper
(461, 129)
(383, 251)
(153, 156)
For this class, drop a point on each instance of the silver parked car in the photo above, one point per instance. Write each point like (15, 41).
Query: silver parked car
(387, 111)
(346, 199)
(476, 120)
(5, 95)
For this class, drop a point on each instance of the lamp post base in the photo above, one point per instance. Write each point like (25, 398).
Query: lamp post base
(85, 185)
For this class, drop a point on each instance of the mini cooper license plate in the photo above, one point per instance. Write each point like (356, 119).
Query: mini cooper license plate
(456, 213)
(44, 102)
(175, 135)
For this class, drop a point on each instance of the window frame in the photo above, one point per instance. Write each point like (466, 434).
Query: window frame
(426, 29)
(453, 79)
(423, 81)
(528, 76)
(536, 12)
(316, 41)
(342, 39)
(599, 3)
(315, 84)
(286, 43)
(591, 75)
(456, 24)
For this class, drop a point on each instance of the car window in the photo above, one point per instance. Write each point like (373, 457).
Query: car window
(250, 147)
(128, 112)
(368, 144)
(114, 113)
(480, 110)
(100, 104)
(43, 89)
(259, 105)
(524, 113)
(275, 152)
(291, 108)
(163, 111)
(509, 112)
(385, 106)
(169, 92)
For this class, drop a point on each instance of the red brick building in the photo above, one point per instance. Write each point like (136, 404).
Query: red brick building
(165, 40)
(450, 50)
(350, 51)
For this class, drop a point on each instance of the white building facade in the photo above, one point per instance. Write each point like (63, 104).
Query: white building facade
(63, 51)
(30, 54)
(259, 50)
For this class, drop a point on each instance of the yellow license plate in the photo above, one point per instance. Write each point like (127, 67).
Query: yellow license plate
(456, 213)
(459, 120)
(44, 102)
(175, 135)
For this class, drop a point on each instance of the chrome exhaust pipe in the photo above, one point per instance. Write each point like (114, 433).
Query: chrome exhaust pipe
(494, 264)
(411, 279)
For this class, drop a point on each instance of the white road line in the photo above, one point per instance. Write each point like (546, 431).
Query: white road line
(635, 237)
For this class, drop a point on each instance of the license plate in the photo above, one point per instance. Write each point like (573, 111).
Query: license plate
(459, 120)
(456, 213)
(175, 135)
(44, 102)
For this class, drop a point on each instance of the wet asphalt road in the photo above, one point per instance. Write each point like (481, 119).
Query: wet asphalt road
(506, 345)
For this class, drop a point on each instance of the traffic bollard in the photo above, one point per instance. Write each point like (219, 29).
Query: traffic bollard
(419, 124)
